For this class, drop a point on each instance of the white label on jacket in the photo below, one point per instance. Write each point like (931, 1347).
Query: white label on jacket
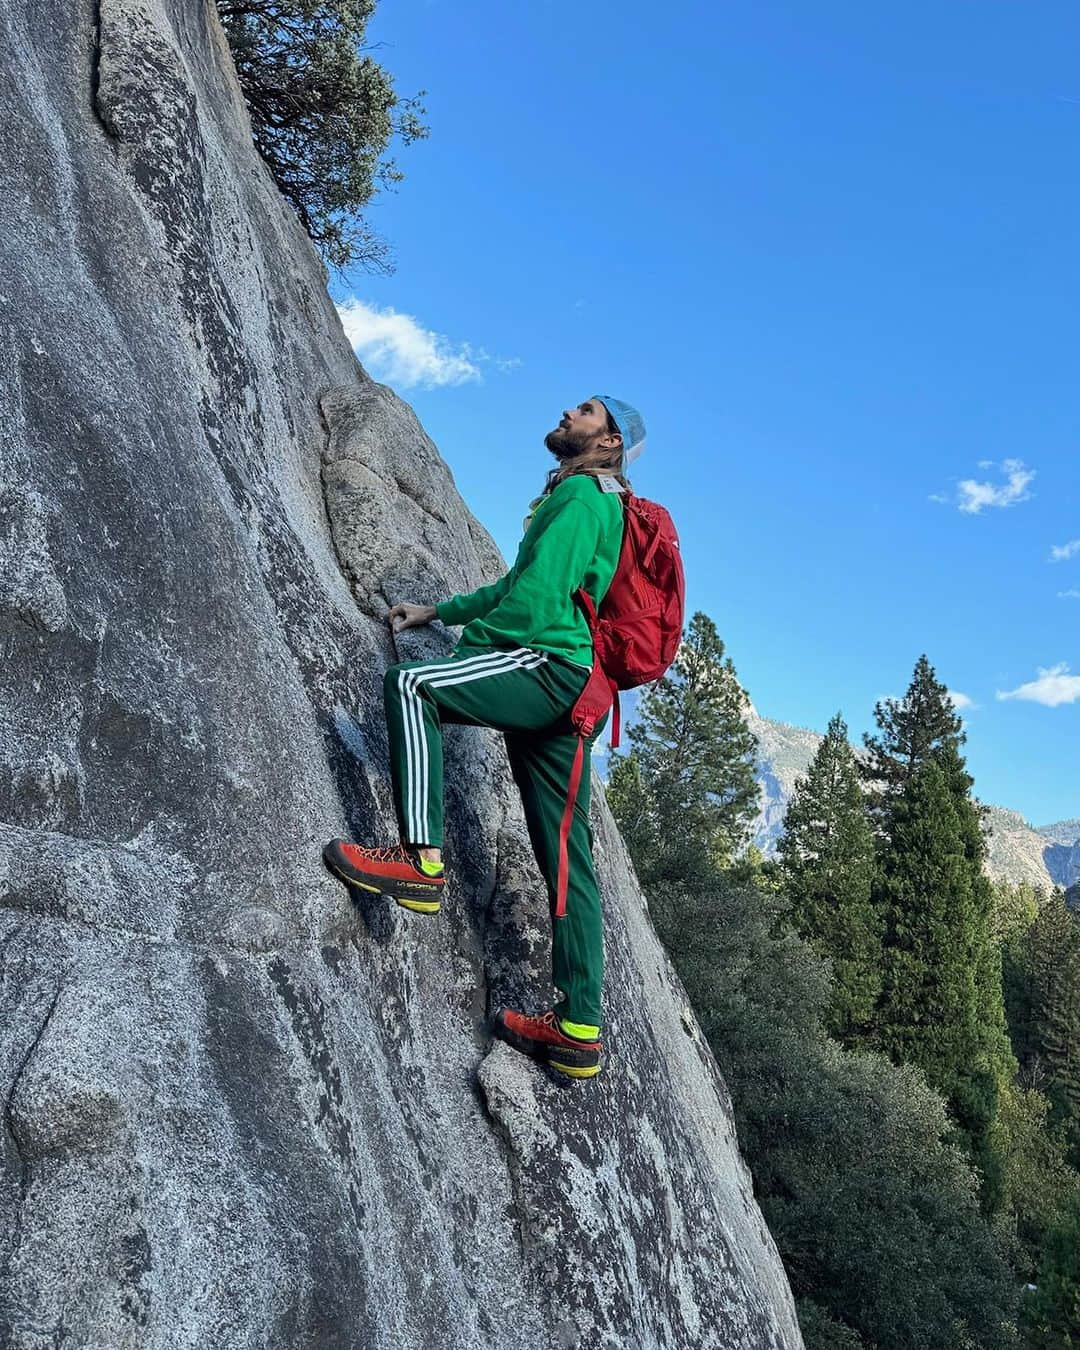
(609, 484)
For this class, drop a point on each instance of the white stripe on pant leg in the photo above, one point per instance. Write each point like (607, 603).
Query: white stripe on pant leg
(416, 742)
(416, 749)
(471, 668)
(443, 676)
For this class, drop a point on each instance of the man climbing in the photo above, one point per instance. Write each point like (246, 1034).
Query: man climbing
(524, 656)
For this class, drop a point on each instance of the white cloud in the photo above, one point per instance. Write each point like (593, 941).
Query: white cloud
(959, 700)
(1059, 552)
(973, 496)
(1053, 687)
(396, 348)
(1073, 594)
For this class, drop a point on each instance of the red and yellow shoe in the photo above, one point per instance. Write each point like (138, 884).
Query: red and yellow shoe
(543, 1038)
(398, 872)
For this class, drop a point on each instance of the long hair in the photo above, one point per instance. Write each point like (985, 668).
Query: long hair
(594, 462)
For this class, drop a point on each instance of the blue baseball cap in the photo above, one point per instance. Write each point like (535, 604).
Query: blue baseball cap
(630, 423)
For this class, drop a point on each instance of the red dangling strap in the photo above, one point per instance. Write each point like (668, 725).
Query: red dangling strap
(564, 828)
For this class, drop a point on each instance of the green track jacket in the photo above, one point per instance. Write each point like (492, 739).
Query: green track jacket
(573, 539)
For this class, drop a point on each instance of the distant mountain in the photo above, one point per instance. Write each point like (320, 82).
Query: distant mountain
(784, 753)
(1064, 832)
(1018, 851)
(1062, 850)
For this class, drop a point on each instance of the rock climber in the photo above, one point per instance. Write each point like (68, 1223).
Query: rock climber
(524, 656)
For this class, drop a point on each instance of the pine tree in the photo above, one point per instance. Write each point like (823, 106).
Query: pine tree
(826, 865)
(926, 1013)
(694, 760)
(322, 112)
(995, 1059)
(923, 722)
(1053, 962)
(632, 805)
(941, 1005)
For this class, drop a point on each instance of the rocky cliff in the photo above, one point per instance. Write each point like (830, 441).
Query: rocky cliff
(238, 1108)
(1061, 849)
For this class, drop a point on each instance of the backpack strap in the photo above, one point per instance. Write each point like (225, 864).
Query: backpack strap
(568, 809)
(586, 601)
(598, 696)
(600, 691)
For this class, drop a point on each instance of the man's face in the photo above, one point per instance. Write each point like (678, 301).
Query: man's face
(582, 428)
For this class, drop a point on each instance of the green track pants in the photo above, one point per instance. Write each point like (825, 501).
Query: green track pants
(527, 695)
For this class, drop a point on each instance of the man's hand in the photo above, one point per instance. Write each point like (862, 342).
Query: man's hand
(409, 616)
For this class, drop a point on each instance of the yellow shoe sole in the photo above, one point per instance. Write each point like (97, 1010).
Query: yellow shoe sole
(421, 906)
(574, 1070)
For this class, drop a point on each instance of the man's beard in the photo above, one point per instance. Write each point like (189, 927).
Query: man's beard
(565, 444)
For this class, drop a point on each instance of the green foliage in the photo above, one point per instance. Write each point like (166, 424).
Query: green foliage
(1055, 961)
(1043, 969)
(1018, 989)
(1052, 1310)
(898, 1204)
(321, 113)
(826, 866)
(941, 1003)
(927, 1009)
(686, 796)
(1015, 908)
(912, 728)
(631, 803)
(1038, 1185)
(874, 1211)
(821, 1331)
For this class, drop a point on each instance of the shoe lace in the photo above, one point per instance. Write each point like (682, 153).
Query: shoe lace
(395, 853)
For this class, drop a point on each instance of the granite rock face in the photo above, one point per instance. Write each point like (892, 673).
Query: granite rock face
(1062, 851)
(240, 1109)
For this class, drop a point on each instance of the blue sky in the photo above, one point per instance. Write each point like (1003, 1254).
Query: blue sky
(832, 253)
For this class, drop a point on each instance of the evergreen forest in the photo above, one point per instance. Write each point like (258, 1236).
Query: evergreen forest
(900, 1034)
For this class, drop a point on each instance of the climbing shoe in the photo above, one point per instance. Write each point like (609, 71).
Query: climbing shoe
(398, 872)
(544, 1038)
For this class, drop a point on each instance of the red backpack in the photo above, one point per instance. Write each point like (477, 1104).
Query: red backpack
(636, 635)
